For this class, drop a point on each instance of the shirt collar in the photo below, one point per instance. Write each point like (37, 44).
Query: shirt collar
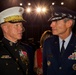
(67, 39)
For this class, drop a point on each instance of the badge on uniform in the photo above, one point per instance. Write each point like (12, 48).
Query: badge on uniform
(5, 57)
(48, 63)
(10, 43)
(73, 56)
(74, 66)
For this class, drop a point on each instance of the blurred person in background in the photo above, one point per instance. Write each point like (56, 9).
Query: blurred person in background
(38, 53)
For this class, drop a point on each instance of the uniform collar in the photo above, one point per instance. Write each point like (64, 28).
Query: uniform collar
(8, 42)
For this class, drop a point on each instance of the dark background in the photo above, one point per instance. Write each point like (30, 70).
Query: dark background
(36, 24)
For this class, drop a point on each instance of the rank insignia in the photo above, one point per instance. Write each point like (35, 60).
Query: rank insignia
(48, 63)
(10, 43)
(74, 66)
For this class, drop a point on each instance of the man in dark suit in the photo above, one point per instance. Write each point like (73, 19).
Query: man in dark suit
(13, 55)
(58, 58)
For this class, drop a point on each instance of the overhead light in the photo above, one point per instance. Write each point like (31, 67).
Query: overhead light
(43, 9)
(29, 4)
(53, 3)
(38, 9)
(21, 4)
(62, 3)
(28, 10)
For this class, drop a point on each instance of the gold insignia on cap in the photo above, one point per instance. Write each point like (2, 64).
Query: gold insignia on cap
(48, 63)
(14, 18)
(74, 66)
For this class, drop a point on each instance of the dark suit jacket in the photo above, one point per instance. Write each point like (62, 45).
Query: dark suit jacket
(53, 63)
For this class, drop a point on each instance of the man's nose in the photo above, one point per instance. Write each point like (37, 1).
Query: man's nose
(52, 24)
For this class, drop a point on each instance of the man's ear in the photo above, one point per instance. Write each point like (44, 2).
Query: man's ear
(4, 27)
(69, 23)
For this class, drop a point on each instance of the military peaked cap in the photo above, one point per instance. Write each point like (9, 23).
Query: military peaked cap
(60, 12)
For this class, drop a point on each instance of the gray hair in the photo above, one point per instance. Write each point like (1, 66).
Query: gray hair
(67, 19)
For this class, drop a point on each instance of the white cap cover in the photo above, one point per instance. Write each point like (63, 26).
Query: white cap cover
(13, 14)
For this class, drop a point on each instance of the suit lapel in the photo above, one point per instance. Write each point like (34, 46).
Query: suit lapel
(56, 50)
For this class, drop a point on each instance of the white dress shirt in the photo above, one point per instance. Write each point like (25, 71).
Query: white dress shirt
(66, 41)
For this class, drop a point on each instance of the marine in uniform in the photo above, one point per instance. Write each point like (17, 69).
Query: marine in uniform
(13, 55)
(56, 62)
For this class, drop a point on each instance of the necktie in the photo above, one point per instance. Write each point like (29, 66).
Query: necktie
(62, 48)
